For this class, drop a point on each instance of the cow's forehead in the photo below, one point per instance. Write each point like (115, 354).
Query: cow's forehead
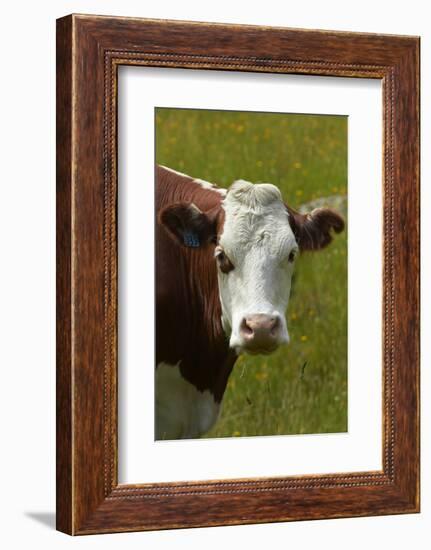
(255, 215)
(258, 195)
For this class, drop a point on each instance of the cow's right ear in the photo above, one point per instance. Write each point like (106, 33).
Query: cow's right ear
(188, 225)
(313, 231)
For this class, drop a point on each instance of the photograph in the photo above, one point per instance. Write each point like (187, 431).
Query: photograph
(251, 273)
(237, 272)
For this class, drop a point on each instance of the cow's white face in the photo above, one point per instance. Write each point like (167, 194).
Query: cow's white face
(255, 255)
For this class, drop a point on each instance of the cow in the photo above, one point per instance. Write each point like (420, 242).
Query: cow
(224, 264)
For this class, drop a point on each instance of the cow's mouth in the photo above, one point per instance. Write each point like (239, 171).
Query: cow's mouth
(256, 351)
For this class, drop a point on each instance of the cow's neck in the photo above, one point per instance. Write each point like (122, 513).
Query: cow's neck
(210, 361)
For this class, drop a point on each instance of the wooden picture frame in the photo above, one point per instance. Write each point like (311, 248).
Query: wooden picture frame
(89, 51)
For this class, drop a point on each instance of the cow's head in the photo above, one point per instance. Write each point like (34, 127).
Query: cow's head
(256, 239)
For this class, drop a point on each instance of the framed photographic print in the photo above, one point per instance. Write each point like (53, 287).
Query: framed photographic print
(237, 274)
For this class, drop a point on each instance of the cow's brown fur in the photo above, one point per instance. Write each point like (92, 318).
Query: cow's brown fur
(188, 313)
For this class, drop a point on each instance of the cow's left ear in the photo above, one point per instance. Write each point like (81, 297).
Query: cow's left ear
(313, 231)
(188, 225)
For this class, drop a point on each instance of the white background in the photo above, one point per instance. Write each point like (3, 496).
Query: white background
(27, 123)
(141, 459)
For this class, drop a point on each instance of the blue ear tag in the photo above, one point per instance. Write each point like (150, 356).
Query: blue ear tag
(191, 239)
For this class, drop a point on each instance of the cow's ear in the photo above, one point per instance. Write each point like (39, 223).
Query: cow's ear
(188, 225)
(313, 231)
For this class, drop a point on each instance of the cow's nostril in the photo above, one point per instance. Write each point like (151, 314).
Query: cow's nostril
(246, 329)
(275, 325)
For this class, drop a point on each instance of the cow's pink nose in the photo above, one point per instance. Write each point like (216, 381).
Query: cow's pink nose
(260, 332)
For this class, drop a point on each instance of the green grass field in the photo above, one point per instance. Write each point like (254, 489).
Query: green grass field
(302, 388)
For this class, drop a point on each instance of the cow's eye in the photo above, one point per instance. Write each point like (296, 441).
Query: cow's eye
(292, 256)
(223, 261)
